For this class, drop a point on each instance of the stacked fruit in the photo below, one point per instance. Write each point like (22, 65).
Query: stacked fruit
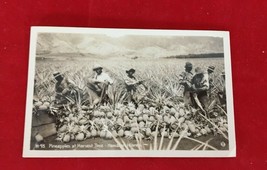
(80, 123)
(41, 105)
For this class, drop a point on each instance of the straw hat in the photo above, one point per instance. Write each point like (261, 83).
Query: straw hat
(56, 74)
(198, 70)
(130, 71)
(97, 66)
(211, 68)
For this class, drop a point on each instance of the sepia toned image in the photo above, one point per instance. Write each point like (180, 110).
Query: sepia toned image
(129, 93)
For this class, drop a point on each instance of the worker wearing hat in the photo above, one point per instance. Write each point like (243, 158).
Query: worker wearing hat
(185, 81)
(60, 85)
(211, 77)
(135, 88)
(210, 72)
(61, 88)
(222, 90)
(200, 86)
(186, 76)
(200, 80)
(99, 85)
(100, 76)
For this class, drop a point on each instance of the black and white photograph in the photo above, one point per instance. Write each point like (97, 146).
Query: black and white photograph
(96, 92)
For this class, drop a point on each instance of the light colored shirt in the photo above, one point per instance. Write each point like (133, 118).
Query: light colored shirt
(186, 76)
(103, 77)
(205, 80)
(200, 81)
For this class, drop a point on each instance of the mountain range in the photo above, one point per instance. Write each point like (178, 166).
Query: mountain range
(126, 46)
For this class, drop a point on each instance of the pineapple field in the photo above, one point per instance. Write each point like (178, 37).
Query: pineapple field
(158, 121)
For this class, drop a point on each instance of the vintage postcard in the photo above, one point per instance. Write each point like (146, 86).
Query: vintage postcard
(129, 93)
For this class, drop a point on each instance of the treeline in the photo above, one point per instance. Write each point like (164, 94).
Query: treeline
(209, 55)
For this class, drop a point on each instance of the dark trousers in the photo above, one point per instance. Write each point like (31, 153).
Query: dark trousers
(202, 97)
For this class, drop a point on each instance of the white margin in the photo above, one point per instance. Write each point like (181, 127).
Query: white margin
(28, 153)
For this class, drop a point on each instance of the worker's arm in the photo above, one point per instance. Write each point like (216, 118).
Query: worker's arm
(130, 82)
(200, 89)
(108, 79)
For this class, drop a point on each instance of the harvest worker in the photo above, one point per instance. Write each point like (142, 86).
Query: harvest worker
(62, 88)
(211, 77)
(222, 91)
(185, 82)
(200, 86)
(210, 71)
(99, 84)
(135, 88)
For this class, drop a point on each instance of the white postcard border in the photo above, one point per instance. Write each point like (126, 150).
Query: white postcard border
(27, 152)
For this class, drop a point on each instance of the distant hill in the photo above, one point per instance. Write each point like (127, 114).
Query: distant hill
(67, 56)
(128, 46)
(209, 55)
(85, 56)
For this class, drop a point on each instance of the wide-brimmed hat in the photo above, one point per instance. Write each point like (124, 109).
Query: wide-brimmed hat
(198, 70)
(188, 64)
(56, 74)
(211, 68)
(130, 71)
(97, 66)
